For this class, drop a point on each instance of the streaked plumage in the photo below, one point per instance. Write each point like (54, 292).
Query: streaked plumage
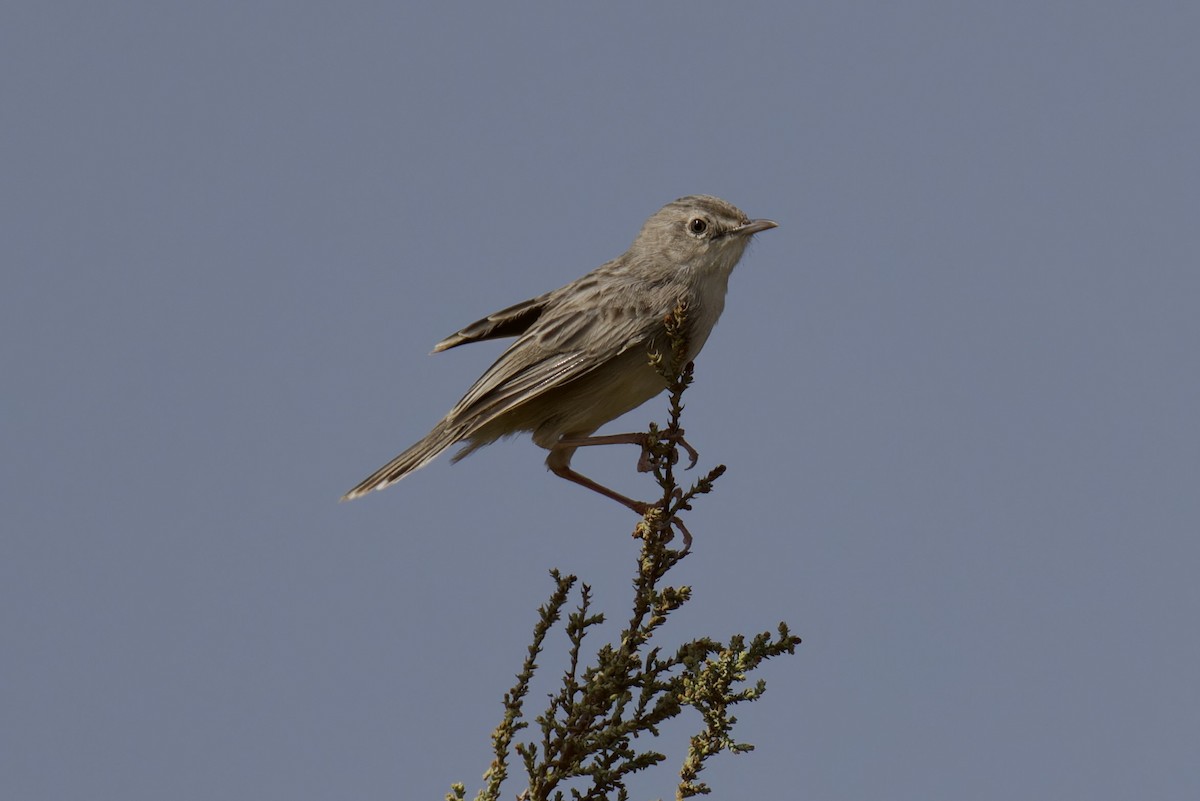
(581, 354)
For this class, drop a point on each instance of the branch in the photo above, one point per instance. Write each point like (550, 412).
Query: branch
(629, 689)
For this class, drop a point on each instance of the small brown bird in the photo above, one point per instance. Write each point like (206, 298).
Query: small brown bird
(581, 354)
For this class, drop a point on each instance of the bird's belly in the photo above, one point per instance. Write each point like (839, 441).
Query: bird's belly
(577, 409)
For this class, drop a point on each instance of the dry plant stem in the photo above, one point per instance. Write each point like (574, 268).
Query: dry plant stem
(604, 708)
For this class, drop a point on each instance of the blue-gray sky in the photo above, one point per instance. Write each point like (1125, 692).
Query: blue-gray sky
(956, 389)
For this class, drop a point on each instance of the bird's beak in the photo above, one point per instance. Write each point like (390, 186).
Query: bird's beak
(754, 226)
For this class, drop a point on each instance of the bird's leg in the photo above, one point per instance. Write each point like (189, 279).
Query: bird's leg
(642, 439)
(559, 462)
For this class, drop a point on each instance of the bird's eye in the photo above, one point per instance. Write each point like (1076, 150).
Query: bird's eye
(698, 225)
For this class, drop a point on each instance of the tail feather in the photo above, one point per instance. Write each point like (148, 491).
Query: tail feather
(416, 457)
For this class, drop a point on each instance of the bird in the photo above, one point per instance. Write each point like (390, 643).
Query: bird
(581, 354)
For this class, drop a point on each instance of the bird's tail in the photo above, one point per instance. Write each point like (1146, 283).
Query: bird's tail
(419, 455)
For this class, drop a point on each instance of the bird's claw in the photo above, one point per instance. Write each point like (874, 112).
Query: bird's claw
(642, 508)
(693, 454)
(687, 535)
(645, 461)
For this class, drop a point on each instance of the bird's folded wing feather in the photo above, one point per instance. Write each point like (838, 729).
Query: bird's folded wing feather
(570, 341)
(510, 322)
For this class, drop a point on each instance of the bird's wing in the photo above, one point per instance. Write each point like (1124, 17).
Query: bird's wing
(510, 322)
(570, 340)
